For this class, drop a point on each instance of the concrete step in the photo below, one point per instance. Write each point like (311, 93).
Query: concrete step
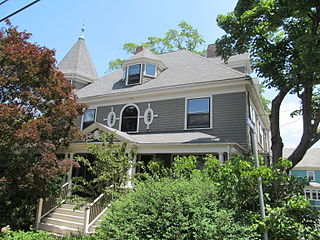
(71, 206)
(63, 223)
(68, 211)
(58, 230)
(68, 217)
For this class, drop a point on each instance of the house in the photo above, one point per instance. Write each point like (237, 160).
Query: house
(176, 103)
(309, 168)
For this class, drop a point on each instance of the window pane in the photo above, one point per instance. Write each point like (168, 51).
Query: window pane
(129, 119)
(308, 194)
(151, 69)
(200, 105)
(134, 74)
(134, 69)
(88, 118)
(199, 120)
(198, 113)
(314, 195)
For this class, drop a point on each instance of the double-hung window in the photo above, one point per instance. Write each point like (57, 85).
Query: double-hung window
(88, 118)
(310, 176)
(198, 113)
(134, 74)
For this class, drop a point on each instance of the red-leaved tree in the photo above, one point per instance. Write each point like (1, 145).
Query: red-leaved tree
(38, 112)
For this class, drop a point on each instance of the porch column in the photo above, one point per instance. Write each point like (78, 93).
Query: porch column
(131, 172)
(221, 157)
(70, 175)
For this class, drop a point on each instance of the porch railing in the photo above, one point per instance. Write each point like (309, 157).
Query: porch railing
(44, 207)
(93, 211)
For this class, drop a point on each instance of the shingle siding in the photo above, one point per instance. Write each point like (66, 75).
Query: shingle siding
(229, 116)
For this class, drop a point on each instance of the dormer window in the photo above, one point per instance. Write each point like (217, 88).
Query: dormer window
(150, 70)
(134, 74)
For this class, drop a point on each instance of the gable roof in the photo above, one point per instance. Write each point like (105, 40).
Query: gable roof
(310, 160)
(78, 62)
(183, 67)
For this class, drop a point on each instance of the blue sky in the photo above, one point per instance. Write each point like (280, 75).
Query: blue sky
(56, 24)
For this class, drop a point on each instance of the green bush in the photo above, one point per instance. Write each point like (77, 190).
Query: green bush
(172, 209)
(21, 235)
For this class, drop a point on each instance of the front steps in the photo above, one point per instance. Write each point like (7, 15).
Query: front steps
(65, 220)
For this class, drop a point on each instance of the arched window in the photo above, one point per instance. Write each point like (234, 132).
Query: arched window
(129, 122)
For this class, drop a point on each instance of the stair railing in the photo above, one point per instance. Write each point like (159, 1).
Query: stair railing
(45, 206)
(93, 211)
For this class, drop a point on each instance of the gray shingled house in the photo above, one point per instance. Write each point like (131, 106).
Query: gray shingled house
(176, 103)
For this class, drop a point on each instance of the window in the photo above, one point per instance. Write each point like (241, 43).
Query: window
(313, 194)
(198, 113)
(134, 74)
(310, 176)
(129, 121)
(88, 118)
(150, 70)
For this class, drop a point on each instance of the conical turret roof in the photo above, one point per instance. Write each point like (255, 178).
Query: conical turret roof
(78, 62)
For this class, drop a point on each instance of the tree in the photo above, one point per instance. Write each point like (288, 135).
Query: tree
(109, 170)
(283, 37)
(187, 37)
(37, 115)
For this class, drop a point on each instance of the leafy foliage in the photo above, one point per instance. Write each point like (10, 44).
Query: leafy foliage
(281, 37)
(37, 114)
(191, 204)
(110, 169)
(21, 235)
(187, 37)
(172, 209)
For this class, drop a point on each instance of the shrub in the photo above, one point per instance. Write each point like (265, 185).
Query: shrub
(21, 235)
(172, 209)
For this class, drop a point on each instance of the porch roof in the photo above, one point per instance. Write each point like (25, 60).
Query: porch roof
(190, 137)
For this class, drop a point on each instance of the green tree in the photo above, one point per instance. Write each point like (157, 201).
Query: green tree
(282, 37)
(187, 37)
(113, 159)
(38, 112)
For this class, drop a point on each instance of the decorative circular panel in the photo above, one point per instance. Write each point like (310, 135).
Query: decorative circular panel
(111, 119)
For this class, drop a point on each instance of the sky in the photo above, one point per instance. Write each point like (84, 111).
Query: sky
(109, 24)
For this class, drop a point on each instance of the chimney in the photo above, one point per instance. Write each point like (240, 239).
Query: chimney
(211, 51)
(139, 49)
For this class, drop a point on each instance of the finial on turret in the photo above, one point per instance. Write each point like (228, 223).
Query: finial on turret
(82, 32)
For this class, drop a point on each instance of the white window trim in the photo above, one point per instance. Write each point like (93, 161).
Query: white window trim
(121, 112)
(312, 175)
(95, 116)
(127, 75)
(145, 70)
(186, 112)
(317, 191)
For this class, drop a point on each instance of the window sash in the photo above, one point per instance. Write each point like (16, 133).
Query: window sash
(310, 175)
(150, 69)
(134, 74)
(198, 113)
(88, 118)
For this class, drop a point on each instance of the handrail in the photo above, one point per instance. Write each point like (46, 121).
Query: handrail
(93, 211)
(44, 207)
(97, 199)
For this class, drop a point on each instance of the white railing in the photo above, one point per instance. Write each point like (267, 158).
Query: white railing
(45, 206)
(93, 211)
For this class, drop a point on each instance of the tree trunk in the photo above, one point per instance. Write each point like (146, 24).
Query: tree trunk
(276, 140)
(309, 136)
